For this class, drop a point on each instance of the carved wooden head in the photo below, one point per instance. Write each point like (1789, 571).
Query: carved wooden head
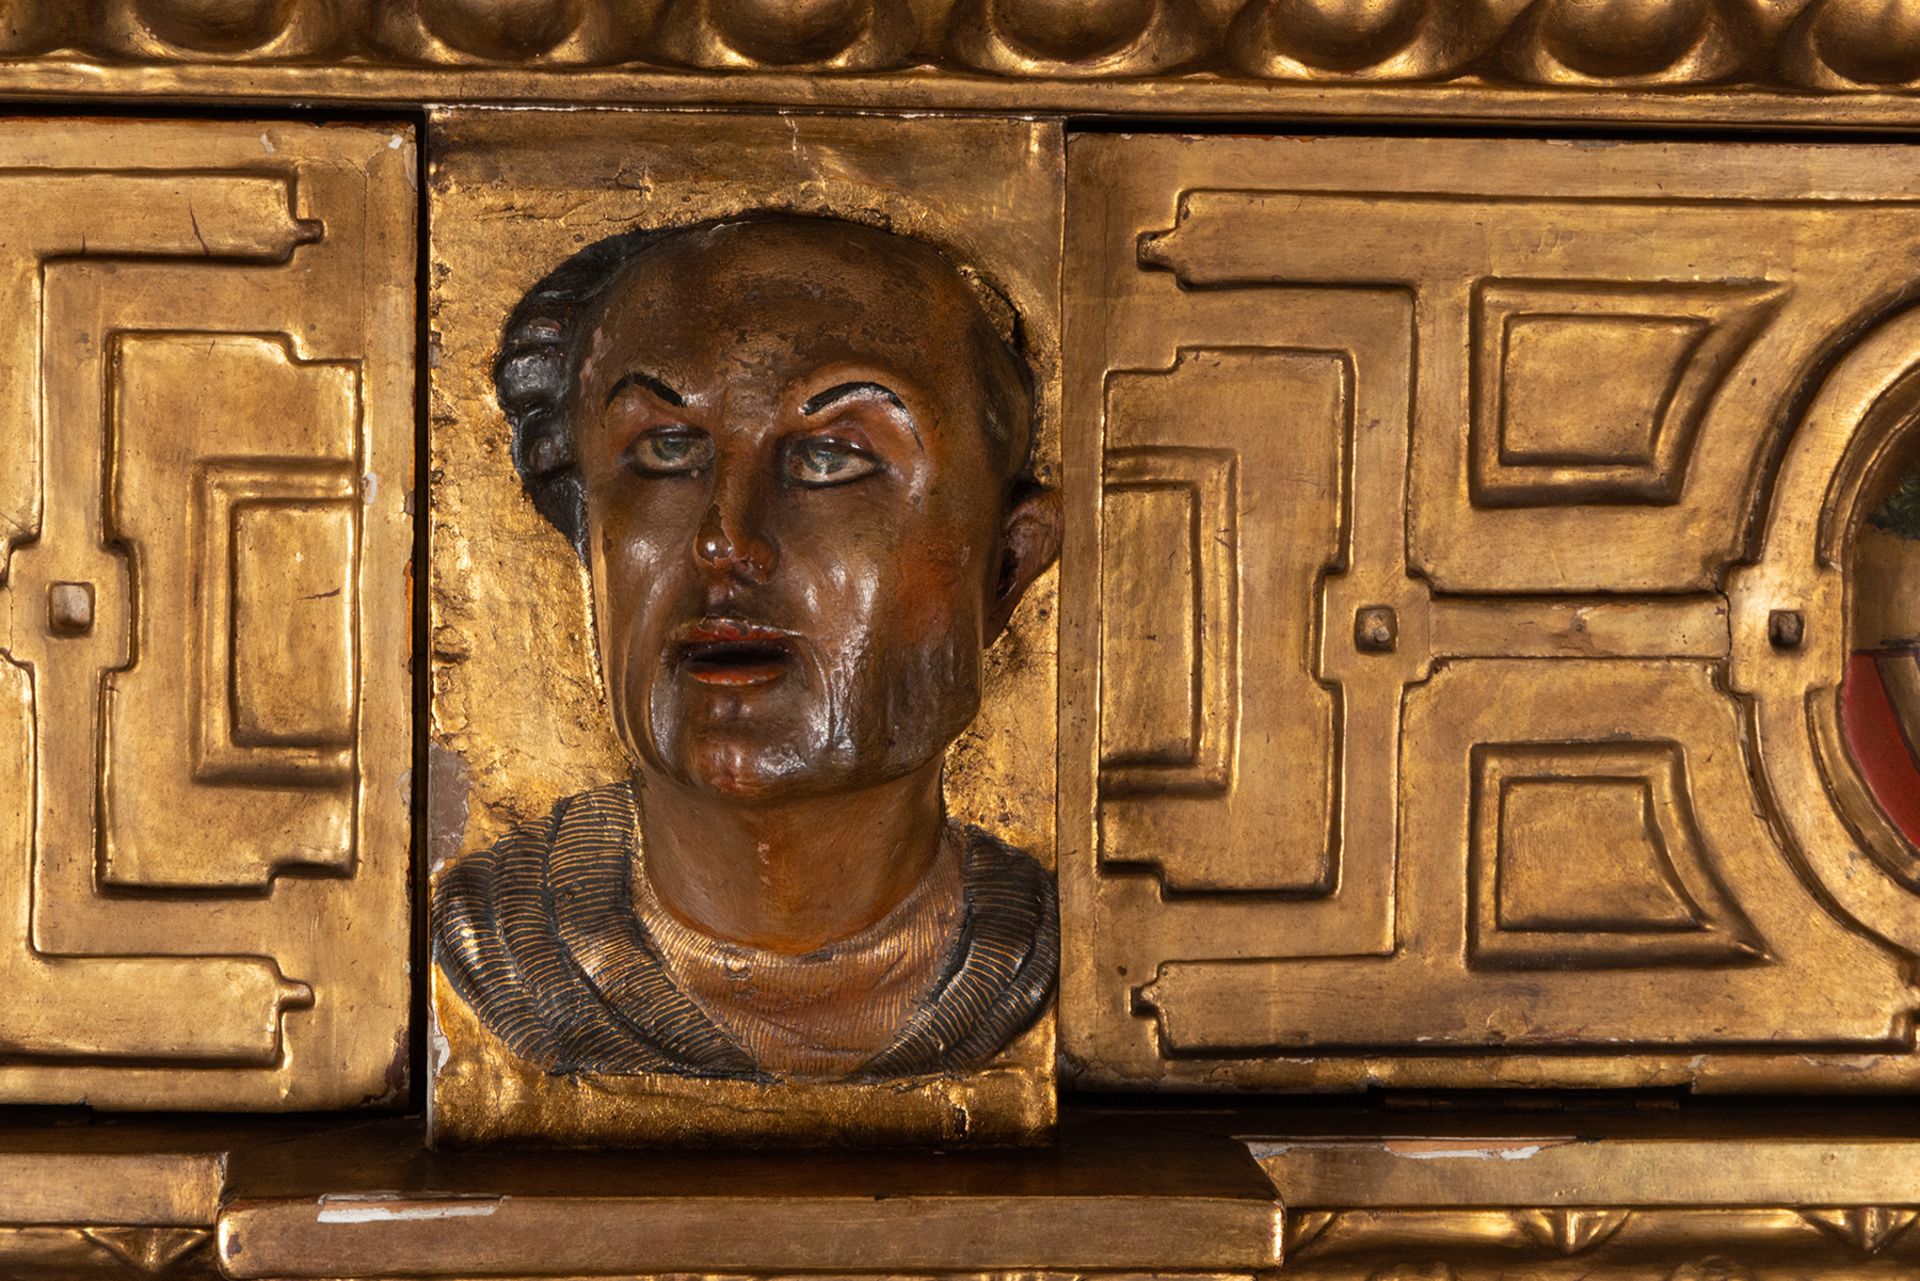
(793, 452)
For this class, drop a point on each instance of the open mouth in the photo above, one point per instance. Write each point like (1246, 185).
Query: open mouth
(729, 652)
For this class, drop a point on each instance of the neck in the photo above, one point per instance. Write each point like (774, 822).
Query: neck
(794, 876)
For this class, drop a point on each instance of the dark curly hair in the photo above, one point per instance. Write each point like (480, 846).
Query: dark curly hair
(536, 371)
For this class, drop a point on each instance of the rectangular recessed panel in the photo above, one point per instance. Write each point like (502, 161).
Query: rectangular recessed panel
(1213, 594)
(1582, 855)
(286, 662)
(1147, 638)
(292, 637)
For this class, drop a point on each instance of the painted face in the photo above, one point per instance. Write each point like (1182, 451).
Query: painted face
(795, 512)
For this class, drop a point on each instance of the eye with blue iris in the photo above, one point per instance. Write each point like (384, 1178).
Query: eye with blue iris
(670, 451)
(821, 461)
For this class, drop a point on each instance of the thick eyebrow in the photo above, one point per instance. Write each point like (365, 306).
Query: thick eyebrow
(652, 384)
(844, 390)
(834, 395)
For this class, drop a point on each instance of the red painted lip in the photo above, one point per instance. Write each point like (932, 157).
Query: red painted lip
(709, 631)
(735, 653)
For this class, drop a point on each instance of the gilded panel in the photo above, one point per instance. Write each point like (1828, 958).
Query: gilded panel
(1240, 794)
(1524, 737)
(207, 405)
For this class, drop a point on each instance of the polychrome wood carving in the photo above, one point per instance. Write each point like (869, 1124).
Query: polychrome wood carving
(1483, 659)
(793, 453)
(783, 433)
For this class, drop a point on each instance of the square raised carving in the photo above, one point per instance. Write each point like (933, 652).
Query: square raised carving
(1589, 854)
(278, 661)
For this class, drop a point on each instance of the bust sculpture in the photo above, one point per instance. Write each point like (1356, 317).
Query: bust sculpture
(793, 453)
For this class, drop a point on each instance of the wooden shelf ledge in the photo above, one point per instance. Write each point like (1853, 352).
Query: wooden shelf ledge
(1107, 1198)
(1767, 1189)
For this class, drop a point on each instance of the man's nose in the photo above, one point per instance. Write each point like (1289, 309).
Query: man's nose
(729, 544)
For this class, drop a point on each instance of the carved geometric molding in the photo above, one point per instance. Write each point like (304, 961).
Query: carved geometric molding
(1552, 514)
(205, 457)
(1188, 649)
(1533, 422)
(106, 1253)
(1573, 991)
(278, 670)
(1569, 1232)
(1515, 623)
(222, 1010)
(1828, 44)
(153, 1251)
(1547, 433)
(1589, 853)
(1554, 1243)
(264, 569)
(1163, 730)
(1868, 1229)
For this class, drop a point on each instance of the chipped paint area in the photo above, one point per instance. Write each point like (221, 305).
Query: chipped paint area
(448, 784)
(409, 158)
(387, 1207)
(1473, 1150)
(439, 1051)
(1416, 1149)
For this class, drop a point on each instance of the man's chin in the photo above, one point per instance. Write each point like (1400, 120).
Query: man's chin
(753, 773)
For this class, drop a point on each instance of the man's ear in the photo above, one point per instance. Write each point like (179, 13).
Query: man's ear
(1029, 542)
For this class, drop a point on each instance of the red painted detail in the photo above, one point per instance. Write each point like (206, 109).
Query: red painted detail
(1880, 746)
